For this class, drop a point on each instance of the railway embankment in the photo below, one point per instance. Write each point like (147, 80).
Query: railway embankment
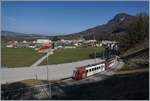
(136, 57)
(126, 86)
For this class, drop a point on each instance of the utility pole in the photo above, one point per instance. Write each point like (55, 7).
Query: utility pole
(103, 54)
(95, 56)
(94, 46)
(47, 66)
(49, 84)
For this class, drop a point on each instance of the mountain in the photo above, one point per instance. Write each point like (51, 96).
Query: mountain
(20, 36)
(11, 34)
(116, 27)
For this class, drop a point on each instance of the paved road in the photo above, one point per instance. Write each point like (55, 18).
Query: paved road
(56, 72)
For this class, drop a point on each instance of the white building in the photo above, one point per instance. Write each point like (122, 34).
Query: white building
(104, 42)
(34, 42)
(24, 41)
(90, 41)
(41, 41)
(9, 46)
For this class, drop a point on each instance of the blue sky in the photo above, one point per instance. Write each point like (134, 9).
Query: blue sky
(53, 18)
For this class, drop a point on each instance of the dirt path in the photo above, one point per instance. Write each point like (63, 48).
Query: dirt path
(41, 59)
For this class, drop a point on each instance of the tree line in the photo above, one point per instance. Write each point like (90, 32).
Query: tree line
(137, 31)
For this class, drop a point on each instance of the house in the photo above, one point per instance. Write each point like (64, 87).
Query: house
(24, 41)
(43, 45)
(9, 46)
(12, 44)
(104, 42)
(41, 41)
(90, 43)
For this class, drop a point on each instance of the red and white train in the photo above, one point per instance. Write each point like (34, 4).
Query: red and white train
(85, 71)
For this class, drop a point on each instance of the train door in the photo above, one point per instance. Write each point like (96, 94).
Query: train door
(103, 67)
(84, 75)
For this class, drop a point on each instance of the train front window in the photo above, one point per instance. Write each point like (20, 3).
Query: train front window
(74, 73)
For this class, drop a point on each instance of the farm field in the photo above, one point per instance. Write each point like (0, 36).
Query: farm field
(18, 57)
(71, 55)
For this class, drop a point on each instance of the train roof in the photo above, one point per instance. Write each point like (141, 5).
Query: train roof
(89, 65)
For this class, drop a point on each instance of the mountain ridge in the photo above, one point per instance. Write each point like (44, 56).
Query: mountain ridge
(114, 27)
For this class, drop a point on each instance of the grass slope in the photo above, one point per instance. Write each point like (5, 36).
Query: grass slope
(71, 55)
(18, 57)
(136, 48)
(134, 58)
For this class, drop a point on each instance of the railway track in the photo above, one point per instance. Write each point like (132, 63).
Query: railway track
(90, 79)
(135, 53)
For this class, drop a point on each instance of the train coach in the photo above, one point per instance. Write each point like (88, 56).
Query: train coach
(85, 71)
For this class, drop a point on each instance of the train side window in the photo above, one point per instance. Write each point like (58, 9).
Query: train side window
(87, 71)
(90, 70)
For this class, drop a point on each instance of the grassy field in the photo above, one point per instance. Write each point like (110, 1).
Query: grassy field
(71, 55)
(18, 57)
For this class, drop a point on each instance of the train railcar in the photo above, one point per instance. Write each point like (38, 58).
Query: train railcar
(85, 71)
(111, 62)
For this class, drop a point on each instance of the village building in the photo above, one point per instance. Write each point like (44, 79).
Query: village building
(43, 45)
